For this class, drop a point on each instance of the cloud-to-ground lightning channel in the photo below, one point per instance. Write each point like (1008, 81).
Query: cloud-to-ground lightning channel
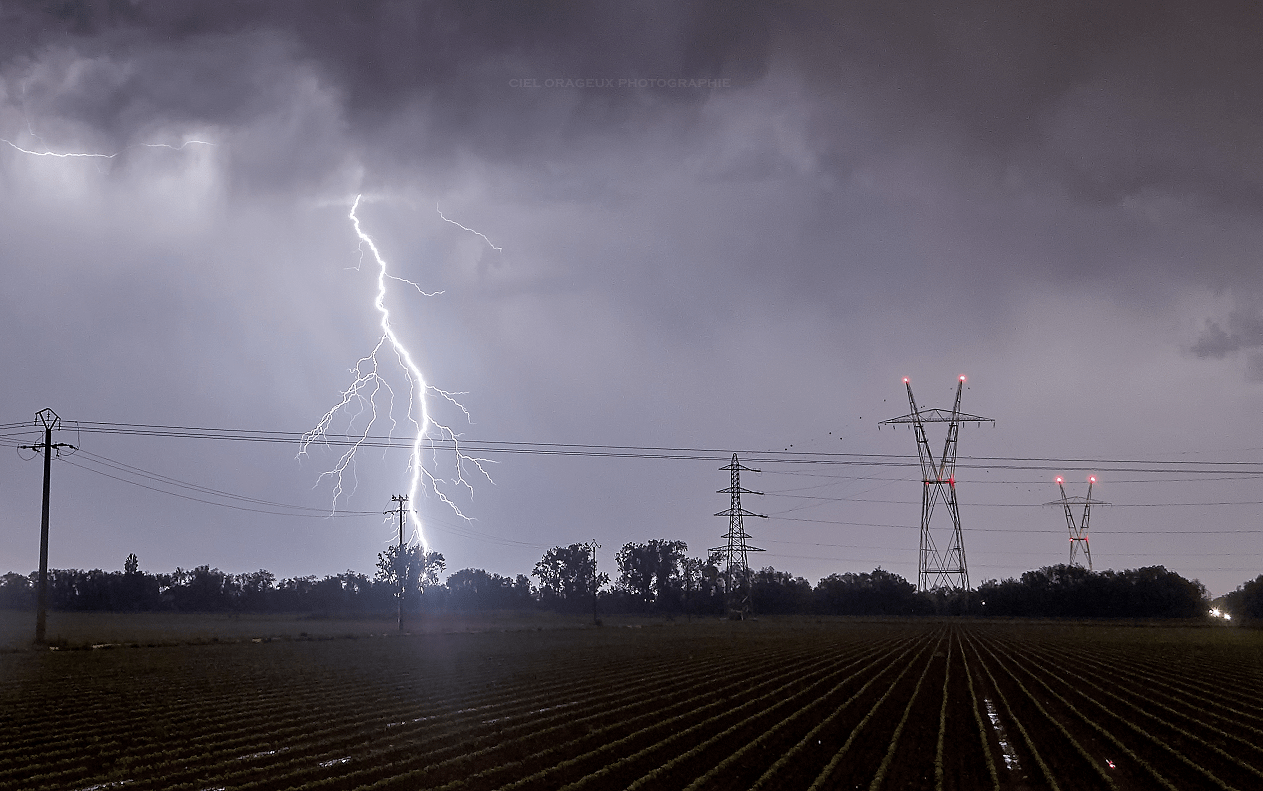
(370, 383)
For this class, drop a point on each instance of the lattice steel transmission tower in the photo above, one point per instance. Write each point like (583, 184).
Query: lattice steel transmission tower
(736, 562)
(1078, 530)
(938, 477)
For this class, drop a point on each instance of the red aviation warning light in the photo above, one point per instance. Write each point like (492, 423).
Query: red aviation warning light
(962, 377)
(905, 380)
(1091, 479)
(1059, 479)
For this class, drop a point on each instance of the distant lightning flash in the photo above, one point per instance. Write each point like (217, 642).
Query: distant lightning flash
(471, 230)
(91, 155)
(370, 382)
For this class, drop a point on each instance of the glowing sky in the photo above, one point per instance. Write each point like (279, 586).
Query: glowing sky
(1063, 204)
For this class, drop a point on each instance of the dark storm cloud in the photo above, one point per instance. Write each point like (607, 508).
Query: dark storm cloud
(1113, 105)
(1244, 331)
(1110, 98)
(455, 61)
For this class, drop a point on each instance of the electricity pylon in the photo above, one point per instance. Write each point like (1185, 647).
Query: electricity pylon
(938, 477)
(736, 563)
(1079, 530)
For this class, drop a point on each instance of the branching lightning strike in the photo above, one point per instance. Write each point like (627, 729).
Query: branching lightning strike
(370, 382)
(471, 230)
(92, 155)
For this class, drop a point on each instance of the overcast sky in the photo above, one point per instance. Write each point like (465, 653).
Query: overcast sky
(727, 226)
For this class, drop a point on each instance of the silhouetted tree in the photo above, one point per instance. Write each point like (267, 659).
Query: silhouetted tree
(257, 590)
(1246, 602)
(651, 572)
(17, 592)
(414, 566)
(475, 589)
(879, 593)
(775, 592)
(1074, 592)
(567, 577)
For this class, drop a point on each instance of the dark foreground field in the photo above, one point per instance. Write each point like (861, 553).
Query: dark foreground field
(767, 704)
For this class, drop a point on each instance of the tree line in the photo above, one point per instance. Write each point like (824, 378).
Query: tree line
(656, 577)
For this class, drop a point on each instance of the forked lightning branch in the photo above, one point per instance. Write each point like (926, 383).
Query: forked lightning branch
(384, 379)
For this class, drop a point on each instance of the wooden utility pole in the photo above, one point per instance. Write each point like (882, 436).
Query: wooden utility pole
(50, 422)
(401, 561)
(596, 581)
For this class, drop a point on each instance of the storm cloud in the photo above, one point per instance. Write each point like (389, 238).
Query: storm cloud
(722, 225)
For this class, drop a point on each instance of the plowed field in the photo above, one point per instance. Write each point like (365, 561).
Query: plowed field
(757, 705)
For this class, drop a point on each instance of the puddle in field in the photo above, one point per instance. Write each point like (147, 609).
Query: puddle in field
(334, 762)
(261, 754)
(103, 786)
(1010, 756)
(536, 711)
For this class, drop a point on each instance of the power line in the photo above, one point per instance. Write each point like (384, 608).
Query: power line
(1038, 505)
(307, 512)
(326, 515)
(1035, 463)
(1012, 530)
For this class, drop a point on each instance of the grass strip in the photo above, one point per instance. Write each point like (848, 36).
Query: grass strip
(766, 778)
(755, 703)
(942, 721)
(982, 730)
(1026, 737)
(707, 779)
(823, 776)
(880, 776)
(1059, 675)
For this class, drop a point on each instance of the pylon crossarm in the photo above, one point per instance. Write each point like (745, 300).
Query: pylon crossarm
(738, 490)
(936, 416)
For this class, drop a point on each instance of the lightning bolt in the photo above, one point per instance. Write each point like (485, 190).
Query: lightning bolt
(471, 230)
(91, 155)
(370, 384)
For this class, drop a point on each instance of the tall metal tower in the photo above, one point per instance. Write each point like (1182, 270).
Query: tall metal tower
(939, 569)
(1078, 530)
(736, 563)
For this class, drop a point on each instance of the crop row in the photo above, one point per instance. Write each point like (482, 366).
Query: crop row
(756, 705)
